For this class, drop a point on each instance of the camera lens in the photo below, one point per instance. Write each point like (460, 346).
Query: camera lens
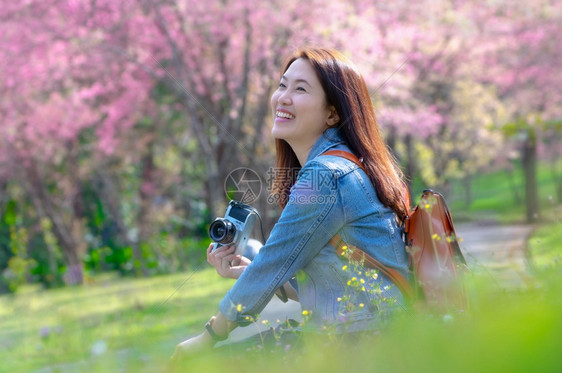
(222, 231)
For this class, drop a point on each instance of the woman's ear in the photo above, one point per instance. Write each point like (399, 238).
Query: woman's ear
(333, 117)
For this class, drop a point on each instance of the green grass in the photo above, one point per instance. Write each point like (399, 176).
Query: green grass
(545, 247)
(141, 321)
(138, 322)
(499, 196)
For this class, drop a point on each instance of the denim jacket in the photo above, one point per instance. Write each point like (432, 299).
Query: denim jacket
(331, 196)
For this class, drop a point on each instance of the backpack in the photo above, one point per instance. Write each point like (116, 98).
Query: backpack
(434, 255)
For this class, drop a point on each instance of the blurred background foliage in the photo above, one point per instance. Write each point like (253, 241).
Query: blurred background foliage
(120, 120)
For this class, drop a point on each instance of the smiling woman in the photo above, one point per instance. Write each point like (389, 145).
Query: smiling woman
(301, 112)
(322, 104)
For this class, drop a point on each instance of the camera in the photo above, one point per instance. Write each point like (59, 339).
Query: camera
(235, 228)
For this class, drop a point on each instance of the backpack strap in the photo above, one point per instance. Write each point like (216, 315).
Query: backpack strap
(353, 158)
(359, 255)
(347, 155)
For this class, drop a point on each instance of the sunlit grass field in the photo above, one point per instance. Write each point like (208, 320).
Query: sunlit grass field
(114, 324)
(500, 195)
(110, 324)
(122, 325)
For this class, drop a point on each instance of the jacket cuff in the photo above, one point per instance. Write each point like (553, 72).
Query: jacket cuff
(235, 312)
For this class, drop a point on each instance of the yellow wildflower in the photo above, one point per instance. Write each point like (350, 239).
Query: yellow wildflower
(361, 305)
(305, 313)
(239, 308)
(362, 288)
(362, 281)
(344, 268)
(339, 299)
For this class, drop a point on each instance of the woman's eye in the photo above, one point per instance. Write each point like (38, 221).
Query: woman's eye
(282, 85)
(301, 89)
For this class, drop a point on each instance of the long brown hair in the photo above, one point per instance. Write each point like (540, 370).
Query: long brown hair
(347, 91)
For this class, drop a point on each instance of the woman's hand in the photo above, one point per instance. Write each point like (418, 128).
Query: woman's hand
(226, 263)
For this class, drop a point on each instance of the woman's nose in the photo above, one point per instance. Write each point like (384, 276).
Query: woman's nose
(285, 98)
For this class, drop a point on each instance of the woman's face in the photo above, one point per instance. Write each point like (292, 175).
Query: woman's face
(300, 111)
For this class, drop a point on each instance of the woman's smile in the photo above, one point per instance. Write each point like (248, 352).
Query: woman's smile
(283, 115)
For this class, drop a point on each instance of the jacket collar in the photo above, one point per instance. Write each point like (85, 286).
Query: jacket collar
(329, 139)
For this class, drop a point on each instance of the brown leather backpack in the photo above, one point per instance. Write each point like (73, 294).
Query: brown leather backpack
(435, 257)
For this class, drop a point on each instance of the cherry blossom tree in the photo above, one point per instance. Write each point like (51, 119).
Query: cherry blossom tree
(85, 77)
(523, 63)
(150, 104)
(59, 85)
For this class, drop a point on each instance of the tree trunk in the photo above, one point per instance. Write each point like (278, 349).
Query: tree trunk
(146, 195)
(108, 193)
(215, 196)
(391, 141)
(410, 162)
(64, 234)
(530, 171)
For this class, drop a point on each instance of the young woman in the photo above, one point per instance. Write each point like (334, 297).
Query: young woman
(322, 103)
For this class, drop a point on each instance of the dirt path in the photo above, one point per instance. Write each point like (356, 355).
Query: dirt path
(498, 249)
